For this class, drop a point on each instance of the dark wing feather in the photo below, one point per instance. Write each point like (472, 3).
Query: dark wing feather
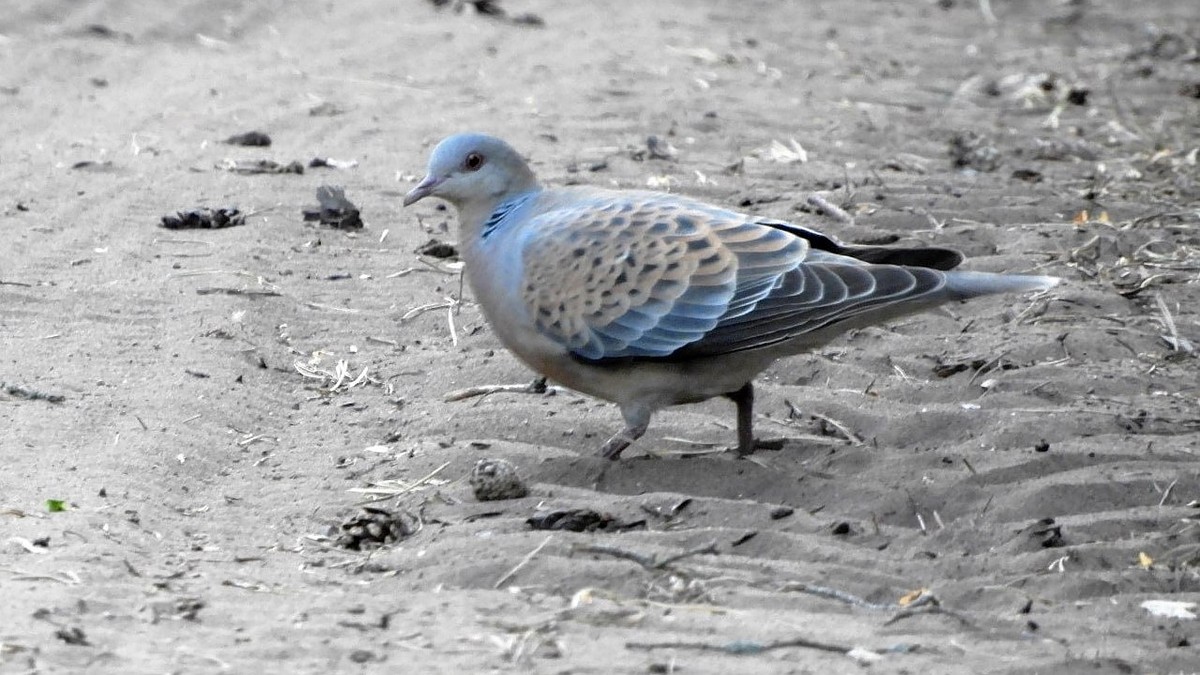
(820, 295)
(930, 256)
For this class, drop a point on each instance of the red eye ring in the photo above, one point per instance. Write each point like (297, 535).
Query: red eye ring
(473, 162)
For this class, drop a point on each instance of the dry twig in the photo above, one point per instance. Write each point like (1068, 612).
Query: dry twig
(340, 375)
(387, 489)
(29, 394)
(524, 561)
(650, 562)
(853, 438)
(744, 647)
(538, 386)
(226, 290)
(928, 603)
(830, 209)
(839, 595)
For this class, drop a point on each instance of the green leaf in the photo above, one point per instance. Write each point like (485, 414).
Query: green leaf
(56, 505)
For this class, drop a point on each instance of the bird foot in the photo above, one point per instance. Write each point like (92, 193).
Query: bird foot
(615, 446)
(636, 422)
(761, 444)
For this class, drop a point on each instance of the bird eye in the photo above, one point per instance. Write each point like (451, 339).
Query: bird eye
(474, 161)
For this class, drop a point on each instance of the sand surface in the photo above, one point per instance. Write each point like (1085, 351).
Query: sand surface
(206, 466)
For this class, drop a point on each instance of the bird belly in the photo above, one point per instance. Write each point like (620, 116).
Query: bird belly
(648, 383)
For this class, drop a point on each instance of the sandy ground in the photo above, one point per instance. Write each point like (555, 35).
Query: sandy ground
(205, 479)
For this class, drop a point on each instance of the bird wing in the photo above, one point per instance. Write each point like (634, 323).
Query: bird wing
(647, 275)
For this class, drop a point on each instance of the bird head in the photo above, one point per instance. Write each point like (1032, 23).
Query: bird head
(473, 170)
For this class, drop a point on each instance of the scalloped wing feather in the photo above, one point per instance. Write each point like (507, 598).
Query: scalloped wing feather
(647, 275)
(643, 274)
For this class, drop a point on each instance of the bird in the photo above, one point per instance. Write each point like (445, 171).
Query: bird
(649, 300)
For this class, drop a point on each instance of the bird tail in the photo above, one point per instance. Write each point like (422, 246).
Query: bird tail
(963, 285)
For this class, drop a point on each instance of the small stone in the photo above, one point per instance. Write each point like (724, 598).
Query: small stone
(496, 479)
(255, 139)
(72, 635)
(435, 248)
(781, 512)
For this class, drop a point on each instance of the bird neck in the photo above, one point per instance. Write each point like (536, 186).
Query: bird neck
(479, 219)
(523, 180)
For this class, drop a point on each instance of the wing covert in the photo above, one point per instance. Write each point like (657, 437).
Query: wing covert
(644, 275)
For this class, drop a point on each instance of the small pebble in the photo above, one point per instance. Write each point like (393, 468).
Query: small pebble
(495, 479)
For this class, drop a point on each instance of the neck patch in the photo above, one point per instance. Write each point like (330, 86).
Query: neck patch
(497, 218)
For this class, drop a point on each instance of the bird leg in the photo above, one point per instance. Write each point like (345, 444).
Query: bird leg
(744, 399)
(636, 422)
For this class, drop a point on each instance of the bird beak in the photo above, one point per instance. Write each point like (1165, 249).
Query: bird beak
(422, 190)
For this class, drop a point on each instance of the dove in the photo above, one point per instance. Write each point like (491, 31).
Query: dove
(650, 300)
